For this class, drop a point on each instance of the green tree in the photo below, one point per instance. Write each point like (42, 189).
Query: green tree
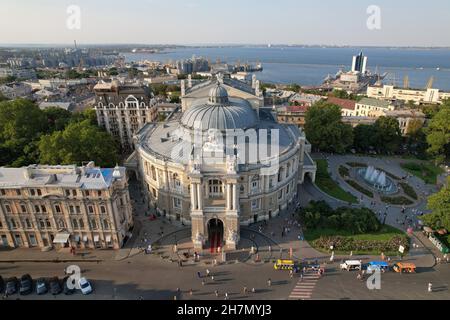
(388, 136)
(21, 123)
(325, 130)
(364, 137)
(57, 118)
(438, 135)
(439, 203)
(78, 143)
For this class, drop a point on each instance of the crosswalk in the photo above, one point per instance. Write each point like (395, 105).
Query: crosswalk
(304, 288)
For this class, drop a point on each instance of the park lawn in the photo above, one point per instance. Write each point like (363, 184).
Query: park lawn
(329, 186)
(426, 171)
(385, 234)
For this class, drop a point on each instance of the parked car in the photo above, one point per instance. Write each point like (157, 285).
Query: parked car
(11, 286)
(55, 286)
(26, 285)
(85, 286)
(41, 286)
(350, 265)
(2, 284)
(67, 291)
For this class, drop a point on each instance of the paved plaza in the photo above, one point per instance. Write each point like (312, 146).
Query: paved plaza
(158, 275)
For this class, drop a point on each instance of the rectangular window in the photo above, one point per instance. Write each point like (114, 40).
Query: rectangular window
(90, 209)
(23, 208)
(39, 192)
(2, 192)
(58, 209)
(18, 192)
(32, 192)
(78, 209)
(7, 208)
(74, 193)
(177, 203)
(71, 210)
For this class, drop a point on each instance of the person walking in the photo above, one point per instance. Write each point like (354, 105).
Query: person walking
(226, 295)
(191, 292)
(216, 293)
(245, 290)
(269, 282)
(430, 287)
(253, 290)
(199, 274)
(208, 272)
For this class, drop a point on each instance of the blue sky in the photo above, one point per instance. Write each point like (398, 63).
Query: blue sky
(331, 22)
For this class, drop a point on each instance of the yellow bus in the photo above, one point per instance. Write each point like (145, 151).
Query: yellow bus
(284, 265)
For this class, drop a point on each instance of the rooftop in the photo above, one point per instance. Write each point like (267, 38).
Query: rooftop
(87, 177)
(374, 102)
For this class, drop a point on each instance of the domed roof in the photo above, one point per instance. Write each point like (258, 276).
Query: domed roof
(220, 113)
(218, 94)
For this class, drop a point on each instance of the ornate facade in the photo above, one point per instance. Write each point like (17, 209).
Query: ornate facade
(123, 110)
(84, 207)
(219, 165)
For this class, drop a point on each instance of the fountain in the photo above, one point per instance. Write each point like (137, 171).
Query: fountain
(377, 179)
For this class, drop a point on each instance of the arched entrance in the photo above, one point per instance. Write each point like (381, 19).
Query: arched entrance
(215, 232)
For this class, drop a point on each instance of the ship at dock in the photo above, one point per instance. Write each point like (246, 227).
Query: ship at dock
(356, 80)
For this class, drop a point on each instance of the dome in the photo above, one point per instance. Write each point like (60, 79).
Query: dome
(218, 94)
(220, 113)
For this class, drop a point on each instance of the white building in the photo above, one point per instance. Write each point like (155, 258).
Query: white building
(418, 96)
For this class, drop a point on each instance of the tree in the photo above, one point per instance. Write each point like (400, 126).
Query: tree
(388, 135)
(438, 135)
(21, 123)
(78, 143)
(57, 118)
(439, 203)
(325, 130)
(364, 137)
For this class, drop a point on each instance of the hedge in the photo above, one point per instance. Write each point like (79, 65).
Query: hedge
(349, 244)
(397, 200)
(409, 191)
(360, 188)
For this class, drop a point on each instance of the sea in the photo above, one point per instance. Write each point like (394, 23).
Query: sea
(309, 66)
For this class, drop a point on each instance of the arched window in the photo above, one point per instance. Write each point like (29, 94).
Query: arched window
(255, 184)
(81, 224)
(93, 224)
(28, 223)
(75, 224)
(105, 224)
(280, 174)
(41, 224)
(103, 209)
(61, 224)
(288, 171)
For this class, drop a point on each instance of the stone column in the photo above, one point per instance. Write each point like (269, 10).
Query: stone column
(199, 196)
(235, 197)
(194, 196)
(228, 197)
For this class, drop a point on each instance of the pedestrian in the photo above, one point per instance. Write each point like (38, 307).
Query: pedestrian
(430, 287)
(203, 282)
(208, 272)
(301, 277)
(190, 292)
(226, 295)
(245, 290)
(199, 274)
(212, 278)
(253, 290)
(216, 293)
(269, 282)
(291, 274)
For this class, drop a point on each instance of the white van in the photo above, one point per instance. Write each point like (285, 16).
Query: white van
(351, 265)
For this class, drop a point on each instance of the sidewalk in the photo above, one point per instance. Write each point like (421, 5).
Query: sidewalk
(55, 255)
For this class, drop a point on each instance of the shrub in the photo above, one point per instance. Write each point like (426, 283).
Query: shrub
(356, 164)
(409, 191)
(351, 244)
(343, 171)
(397, 200)
(360, 188)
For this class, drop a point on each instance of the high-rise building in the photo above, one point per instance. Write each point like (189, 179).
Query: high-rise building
(359, 63)
(123, 109)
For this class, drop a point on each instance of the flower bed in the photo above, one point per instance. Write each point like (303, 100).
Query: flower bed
(409, 191)
(361, 246)
(360, 188)
(397, 200)
(344, 172)
(356, 164)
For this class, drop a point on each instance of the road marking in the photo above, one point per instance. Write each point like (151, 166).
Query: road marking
(305, 287)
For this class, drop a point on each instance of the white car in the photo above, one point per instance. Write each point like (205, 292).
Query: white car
(85, 286)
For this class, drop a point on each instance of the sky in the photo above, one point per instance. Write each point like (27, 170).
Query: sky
(188, 22)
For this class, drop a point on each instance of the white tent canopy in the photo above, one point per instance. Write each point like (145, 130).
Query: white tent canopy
(61, 238)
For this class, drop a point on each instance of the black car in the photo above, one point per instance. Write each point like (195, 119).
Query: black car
(55, 286)
(26, 285)
(41, 286)
(11, 286)
(2, 284)
(67, 291)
